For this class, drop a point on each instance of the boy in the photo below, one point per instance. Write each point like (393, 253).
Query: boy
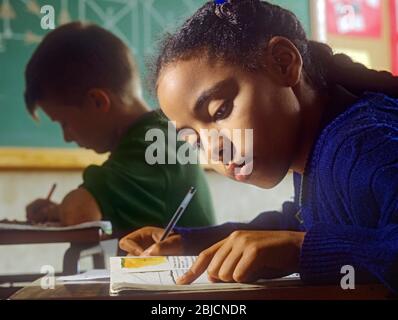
(84, 78)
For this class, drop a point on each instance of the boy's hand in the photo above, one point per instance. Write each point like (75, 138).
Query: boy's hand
(247, 256)
(145, 242)
(42, 210)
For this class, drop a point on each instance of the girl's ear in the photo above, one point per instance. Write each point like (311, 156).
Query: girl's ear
(284, 61)
(99, 99)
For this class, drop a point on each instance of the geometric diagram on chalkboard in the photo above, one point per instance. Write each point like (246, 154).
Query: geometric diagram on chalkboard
(136, 22)
(8, 14)
(64, 15)
(153, 16)
(110, 14)
(32, 38)
(133, 21)
(33, 7)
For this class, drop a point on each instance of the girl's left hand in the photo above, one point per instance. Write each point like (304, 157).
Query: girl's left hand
(246, 256)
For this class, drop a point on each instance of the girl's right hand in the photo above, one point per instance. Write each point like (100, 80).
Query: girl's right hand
(145, 242)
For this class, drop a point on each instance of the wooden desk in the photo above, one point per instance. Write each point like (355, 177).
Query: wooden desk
(80, 240)
(91, 235)
(84, 242)
(294, 290)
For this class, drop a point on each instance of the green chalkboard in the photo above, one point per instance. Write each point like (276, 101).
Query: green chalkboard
(138, 22)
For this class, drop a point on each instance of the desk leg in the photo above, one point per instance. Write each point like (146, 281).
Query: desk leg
(99, 261)
(79, 250)
(71, 259)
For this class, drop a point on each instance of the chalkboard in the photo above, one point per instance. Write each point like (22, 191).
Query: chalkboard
(138, 22)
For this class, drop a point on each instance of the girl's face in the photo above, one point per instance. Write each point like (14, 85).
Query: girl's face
(200, 94)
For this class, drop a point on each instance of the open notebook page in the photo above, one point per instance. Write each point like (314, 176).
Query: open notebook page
(160, 273)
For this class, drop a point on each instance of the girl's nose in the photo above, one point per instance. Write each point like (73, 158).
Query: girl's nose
(221, 150)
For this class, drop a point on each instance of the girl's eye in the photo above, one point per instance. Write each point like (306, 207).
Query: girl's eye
(223, 112)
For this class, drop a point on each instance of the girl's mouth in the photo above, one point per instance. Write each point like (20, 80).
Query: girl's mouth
(240, 172)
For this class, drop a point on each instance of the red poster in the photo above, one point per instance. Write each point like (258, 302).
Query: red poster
(354, 17)
(394, 35)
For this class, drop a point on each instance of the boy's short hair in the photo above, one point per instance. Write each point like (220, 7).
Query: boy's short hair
(76, 57)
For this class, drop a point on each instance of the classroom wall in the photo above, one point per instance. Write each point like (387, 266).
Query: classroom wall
(17, 188)
(377, 49)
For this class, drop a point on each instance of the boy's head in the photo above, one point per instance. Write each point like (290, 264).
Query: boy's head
(80, 75)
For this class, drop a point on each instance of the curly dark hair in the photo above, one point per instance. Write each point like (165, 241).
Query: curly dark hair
(237, 31)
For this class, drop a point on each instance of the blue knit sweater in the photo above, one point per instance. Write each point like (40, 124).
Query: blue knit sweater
(346, 201)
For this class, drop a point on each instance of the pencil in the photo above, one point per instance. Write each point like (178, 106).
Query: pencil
(51, 191)
(177, 215)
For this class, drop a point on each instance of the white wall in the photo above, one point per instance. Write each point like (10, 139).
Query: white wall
(233, 202)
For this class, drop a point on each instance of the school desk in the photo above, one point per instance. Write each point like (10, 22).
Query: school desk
(84, 242)
(295, 290)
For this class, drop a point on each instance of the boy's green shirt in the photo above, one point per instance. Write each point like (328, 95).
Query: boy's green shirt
(132, 194)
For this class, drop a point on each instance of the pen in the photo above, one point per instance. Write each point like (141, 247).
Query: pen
(51, 191)
(177, 215)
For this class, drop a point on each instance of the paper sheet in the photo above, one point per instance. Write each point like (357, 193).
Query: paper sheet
(106, 226)
(161, 273)
(96, 274)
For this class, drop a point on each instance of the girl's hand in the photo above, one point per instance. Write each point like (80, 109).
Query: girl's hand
(145, 242)
(246, 256)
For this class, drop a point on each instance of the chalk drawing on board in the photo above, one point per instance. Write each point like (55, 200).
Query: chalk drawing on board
(64, 15)
(8, 14)
(108, 16)
(138, 17)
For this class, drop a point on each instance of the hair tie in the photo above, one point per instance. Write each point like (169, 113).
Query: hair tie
(224, 11)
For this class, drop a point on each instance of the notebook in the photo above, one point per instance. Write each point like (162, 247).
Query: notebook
(160, 274)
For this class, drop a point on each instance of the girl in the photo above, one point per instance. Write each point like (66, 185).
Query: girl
(249, 65)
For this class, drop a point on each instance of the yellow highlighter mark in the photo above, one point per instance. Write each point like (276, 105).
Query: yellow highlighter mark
(133, 263)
